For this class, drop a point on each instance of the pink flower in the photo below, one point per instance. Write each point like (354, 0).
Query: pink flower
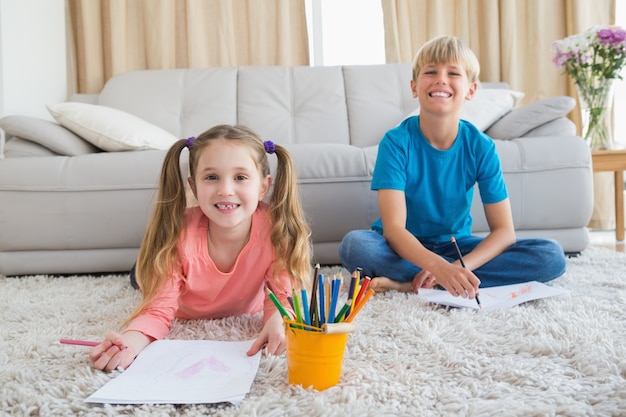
(593, 55)
(612, 36)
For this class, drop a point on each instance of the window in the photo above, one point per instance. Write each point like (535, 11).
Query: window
(345, 32)
(619, 122)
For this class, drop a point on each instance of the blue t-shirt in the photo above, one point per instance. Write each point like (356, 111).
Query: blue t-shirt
(438, 185)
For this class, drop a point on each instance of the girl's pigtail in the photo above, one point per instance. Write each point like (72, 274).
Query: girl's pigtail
(158, 251)
(290, 230)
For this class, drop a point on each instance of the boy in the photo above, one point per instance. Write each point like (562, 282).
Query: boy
(425, 174)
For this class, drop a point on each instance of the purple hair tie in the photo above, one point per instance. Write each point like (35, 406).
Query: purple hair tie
(269, 146)
(190, 140)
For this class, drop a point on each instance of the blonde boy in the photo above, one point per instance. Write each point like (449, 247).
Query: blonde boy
(425, 175)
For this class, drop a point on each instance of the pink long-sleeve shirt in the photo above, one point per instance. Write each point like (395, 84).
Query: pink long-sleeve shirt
(198, 290)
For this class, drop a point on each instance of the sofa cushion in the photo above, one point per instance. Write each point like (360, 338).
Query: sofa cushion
(47, 134)
(184, 102)
(557, 127)
(524, 119)
(487, 106)
(110, 129)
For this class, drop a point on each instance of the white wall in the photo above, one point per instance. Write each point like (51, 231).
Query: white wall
(33, 67)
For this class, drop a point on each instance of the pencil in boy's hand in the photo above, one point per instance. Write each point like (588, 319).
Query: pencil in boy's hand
(458, 251)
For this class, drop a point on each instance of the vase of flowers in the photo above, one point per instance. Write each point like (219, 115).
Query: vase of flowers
(596, 107)
(594, 60)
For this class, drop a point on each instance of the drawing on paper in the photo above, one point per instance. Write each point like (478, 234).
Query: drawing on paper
(526, 289)
(204, 367)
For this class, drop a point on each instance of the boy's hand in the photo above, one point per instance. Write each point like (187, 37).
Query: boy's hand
(272, 336)
(457, 280)
(423, 279)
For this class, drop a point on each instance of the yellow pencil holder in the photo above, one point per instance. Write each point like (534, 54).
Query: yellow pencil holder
(314, 356)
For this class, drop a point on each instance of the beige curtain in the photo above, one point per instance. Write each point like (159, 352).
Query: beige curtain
(512, 39)
(108, 37)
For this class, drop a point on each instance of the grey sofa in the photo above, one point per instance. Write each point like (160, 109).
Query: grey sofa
(68, 206)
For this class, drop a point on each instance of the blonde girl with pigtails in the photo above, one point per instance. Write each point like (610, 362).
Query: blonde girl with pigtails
(214, 260)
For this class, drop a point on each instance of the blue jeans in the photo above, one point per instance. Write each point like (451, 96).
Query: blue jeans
(526, 260)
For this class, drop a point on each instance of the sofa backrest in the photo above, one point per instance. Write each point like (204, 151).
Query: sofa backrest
(353, 104)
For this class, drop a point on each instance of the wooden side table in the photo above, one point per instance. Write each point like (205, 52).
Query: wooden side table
(613, 160)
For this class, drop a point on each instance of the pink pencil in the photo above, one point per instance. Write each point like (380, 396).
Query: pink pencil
(79, 342)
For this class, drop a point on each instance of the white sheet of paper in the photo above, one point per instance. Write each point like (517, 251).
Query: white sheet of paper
(184, 372)
(494, 298)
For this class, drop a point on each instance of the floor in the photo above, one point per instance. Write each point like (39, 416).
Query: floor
(606, 239)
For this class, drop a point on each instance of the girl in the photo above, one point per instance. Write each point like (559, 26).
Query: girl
(214, 260)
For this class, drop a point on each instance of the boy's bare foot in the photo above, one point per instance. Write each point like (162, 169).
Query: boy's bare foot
(382, 284)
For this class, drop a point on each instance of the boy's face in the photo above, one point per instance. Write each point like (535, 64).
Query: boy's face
(442, 88)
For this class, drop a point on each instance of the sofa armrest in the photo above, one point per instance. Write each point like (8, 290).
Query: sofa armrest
(518, 122)
(46, 133)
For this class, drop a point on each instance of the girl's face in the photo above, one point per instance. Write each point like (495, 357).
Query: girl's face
(228, 184)
(442, 87)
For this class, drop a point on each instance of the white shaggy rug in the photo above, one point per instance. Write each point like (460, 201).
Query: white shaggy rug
(561, 356)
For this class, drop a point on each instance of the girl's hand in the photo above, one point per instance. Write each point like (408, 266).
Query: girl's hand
(112, 353)
(272, 336)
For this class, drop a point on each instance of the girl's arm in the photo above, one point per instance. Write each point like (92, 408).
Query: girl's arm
(121, 349)
(272, 335)
(501, 234)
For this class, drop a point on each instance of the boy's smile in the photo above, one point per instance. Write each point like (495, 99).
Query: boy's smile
(440, 94)
(439, 86)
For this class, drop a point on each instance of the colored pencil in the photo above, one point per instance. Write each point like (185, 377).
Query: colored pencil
(351, 289)
(322, 302)
(296, 304)
(305, 307)
(458, 251)
(313, 310)
(86, 343)
(341, 315)
(355, 290)
(327, 296)
(333, 300)
(277, 303)
(79, 342)
(364, 286)
(360, 305)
